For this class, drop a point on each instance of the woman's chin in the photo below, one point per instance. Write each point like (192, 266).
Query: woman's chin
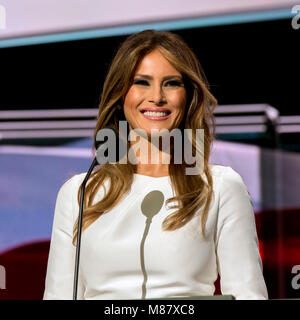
(157, 127)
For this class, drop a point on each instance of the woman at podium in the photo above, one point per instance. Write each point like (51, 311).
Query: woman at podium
(163, 229)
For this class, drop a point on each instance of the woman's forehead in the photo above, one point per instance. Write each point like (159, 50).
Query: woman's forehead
(154, 63)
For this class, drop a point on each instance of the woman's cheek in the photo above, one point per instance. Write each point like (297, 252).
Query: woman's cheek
(178, 101)
(134, 98)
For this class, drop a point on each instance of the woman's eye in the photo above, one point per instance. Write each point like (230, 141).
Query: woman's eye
(173, 83)
(141, 82)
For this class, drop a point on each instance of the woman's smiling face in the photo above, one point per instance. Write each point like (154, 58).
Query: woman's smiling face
(157, 97)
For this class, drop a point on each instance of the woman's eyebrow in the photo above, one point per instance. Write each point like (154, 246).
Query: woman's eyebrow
(146, 76)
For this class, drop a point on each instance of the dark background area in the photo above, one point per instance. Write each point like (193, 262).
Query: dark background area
(244, 63)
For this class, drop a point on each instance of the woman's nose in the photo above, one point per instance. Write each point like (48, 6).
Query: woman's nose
(156, 95)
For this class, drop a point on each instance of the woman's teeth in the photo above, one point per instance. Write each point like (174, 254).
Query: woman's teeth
(155, 114)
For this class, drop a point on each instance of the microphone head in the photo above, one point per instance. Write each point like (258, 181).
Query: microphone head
(152, 203)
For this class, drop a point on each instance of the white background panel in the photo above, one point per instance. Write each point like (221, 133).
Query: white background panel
(33, 17)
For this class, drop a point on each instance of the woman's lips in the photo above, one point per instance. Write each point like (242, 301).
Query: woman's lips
(154, 117)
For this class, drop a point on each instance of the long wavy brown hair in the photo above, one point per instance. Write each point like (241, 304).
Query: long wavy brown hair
(192, 192)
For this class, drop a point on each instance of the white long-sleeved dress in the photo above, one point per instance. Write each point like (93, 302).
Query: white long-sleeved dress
(176, 263)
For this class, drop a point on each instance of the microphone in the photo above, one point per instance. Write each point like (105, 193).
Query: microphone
(151, 205)
(102, 145)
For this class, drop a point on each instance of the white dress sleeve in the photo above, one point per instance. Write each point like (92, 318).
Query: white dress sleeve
(61, 259)
(238, 259)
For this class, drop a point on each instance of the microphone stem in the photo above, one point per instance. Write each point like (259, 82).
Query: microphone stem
(80, 216)
(142, 256)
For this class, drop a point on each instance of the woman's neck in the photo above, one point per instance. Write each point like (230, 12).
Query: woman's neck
(152, 170)
(152, 161)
